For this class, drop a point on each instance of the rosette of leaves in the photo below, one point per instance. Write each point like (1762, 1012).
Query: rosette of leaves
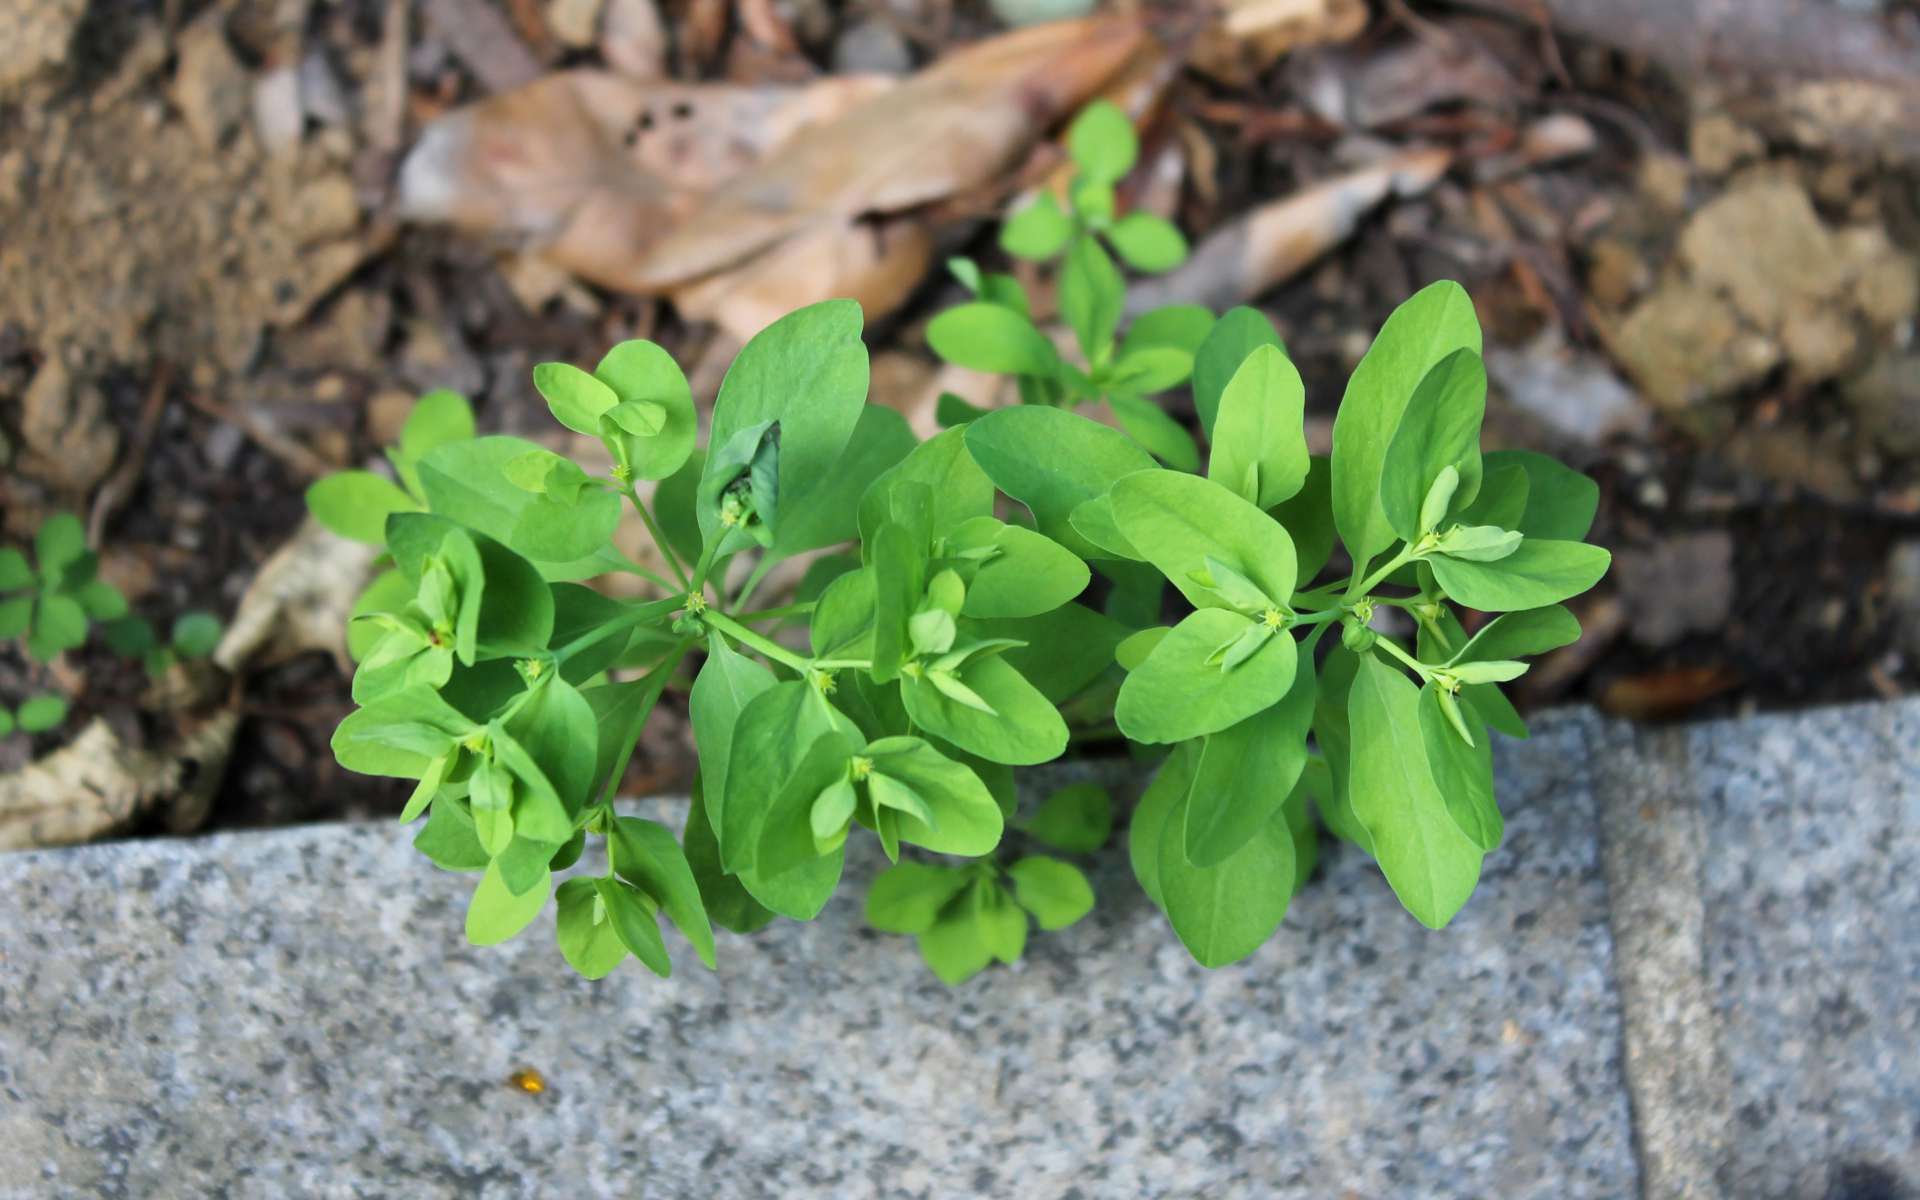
(53, 602)
(996, 332)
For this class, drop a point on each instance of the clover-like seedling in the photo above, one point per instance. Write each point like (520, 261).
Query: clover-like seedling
(996, 332)
(54, 601)
(194, 636)
(36, 714)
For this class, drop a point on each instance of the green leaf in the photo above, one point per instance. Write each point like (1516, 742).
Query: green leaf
(1180, 520)
(495, 913)
(16, 614)
(1148, 243)
(1092, 295)
(1463, 772)
(1259, 436)
(727, 683)
(966, 817)
(439, 417)
(356, 504)
(1308, 520)
(628, 911)
(639, 371)
(1146, 423)
(728, 903)
(38, 714)
(1224, 913)
(101, 601)
(1027, 574)
(907, 897)
(576, 398)
(1077, 818)
(448, 840)
(593, 948)
(195, 634)
(1038, 231)
(1521, 635)
(1430, 864)
(785, 838)
(1177, 694)
(1502, 501)
(1560, 501)
(956, 947)
(1435, 322)
(1101, 142)
(1066, 648)
(959, 488)
(1056, 893)
(1143, 370)
(808, 373)
(399, 734)
(1537, 574)
(1026, 730)
(772, 736)
(557, 728)
(1247, 770)
(60, 542)
(990, 337)
(1439, 429)
(881, 439)
(675, 502)
(59, 624)
(1231, 339)
(467, 482)
(647, 856)
(1182, 327)
(1082, 460)
(14, 571)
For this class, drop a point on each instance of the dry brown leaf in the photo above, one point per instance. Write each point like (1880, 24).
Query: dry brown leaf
(1252, 35)
(954, 126)
(633, 40)
(299, 601)
(876, 262)
(96, 785)
(594, 166)
(1241, 260)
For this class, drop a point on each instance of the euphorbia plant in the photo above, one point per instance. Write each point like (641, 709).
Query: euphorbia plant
(1001, 585)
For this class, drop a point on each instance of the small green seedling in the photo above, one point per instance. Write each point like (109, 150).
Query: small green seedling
(36, 714)
(194, 636)
(996, 333)
(1293, 637)
(55, 601)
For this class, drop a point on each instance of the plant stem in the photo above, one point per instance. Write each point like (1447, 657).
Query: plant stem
(747, 637)
(660, 540)
(1415, 665)
(1406, 555)
(776, 614)
(842, 664)
(1301, 620)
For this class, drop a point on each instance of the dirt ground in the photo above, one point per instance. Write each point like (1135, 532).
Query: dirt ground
(1698, 286)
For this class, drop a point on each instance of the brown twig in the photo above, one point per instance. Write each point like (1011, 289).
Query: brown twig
(120, 485)
(297, 457)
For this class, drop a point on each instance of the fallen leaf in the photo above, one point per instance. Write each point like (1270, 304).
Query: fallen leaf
(1240, 260)
(877, 262)
(96, 785)
(298, 601)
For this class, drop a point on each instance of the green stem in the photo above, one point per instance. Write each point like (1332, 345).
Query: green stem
(705, 564)
(660, 540)
(776, 614)
(663, 672)
(747, 637)
(842, 664)
(653, 577)
(1302, 620)
(1407, 554)
(1415, 665)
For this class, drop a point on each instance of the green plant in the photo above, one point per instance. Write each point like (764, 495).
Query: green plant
(193, 636)
(36, 714)
(957, 640)
(55, 604)
(996, 332)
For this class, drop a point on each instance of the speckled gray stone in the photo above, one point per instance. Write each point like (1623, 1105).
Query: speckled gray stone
(1806, 943)
(295, 1014)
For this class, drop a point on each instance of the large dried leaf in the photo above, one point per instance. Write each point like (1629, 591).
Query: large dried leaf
(877, 262)
(299, 601)
(954, 126)
(96, 785)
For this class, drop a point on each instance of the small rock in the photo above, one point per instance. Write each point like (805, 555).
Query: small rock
(320, 92)
(279, 117)
(1680, 585)
(210, 86)
(324, 209)
(871, 47)
(1577, 395)
(1885, 400)
(35, 34)
(1717, 143)
(1903, 594)
(575, 23)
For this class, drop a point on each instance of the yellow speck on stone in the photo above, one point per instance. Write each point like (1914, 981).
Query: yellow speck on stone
(528, 1080)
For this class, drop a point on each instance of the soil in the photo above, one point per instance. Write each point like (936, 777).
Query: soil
(199, 315)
